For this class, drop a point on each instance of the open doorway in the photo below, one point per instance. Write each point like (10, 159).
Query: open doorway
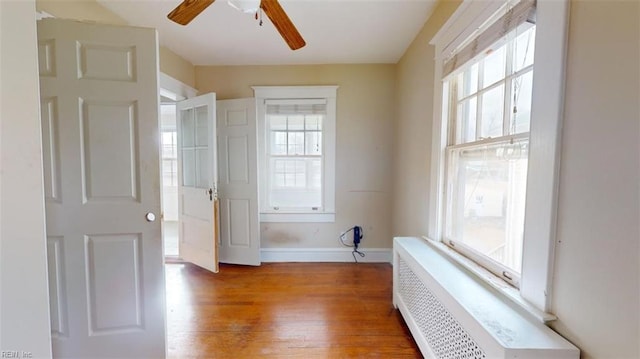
(171, 91)
(169, 170)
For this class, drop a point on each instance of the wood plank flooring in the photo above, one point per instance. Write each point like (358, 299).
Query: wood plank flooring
(285, 310)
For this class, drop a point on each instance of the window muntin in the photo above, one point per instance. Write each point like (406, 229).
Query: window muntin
(489, 104)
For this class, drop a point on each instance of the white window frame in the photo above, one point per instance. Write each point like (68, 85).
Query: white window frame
(328, 93)
(544, 151)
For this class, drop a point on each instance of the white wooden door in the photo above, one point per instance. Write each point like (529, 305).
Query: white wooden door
(238, 186)
(99, 102)
(197, 177)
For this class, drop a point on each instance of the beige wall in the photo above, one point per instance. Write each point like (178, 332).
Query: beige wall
(177, 67)
(170, 63)
(596, 288)
(24, 295)
(413, 132)
(365, 111)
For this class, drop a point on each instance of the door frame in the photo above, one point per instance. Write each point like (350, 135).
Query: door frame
(175, 89)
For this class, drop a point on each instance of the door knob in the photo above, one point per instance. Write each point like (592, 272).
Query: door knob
(150, 217)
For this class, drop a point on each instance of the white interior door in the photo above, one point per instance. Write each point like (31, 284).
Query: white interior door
(197, 177)
(99, 102)
(238, 186)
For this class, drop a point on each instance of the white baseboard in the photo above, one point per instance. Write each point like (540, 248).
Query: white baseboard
(372, 255)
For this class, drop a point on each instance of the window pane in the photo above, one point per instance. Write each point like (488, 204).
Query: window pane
(290, 166)
(168, 173)
(279, 166)
(295, 183)
(188, 128)
(169, 144)
(167, 137)
(188, 168)
(278, 122)
(296, 143)
(492, 113)
(315, 174)
(494, 67)
(523, 49)
(296, 123)
(467, 113)
(278, 143)
(202, 126)
(488, 200)
(279, 180)
(174, 173)
(468, 81)
(202, 168)
(313, 142)
(313, 122)
(521, 112)
(290, 180)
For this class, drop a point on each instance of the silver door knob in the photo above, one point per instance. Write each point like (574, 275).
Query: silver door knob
(150, 217)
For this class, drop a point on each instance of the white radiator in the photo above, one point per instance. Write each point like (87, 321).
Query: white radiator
(453, 315)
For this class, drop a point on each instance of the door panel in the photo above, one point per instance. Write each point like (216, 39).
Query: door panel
(238, 214)
(114, 123)
(197, 168)
(57, 287)
(99, 91)
(114, 308)
(237, 136)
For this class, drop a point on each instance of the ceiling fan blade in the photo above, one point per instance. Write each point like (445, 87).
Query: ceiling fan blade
(188, 10)
(283, 24)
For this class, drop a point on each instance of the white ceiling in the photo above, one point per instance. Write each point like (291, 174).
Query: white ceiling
(336, 31)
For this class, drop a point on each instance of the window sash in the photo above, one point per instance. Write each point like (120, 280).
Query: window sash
(511, 74)
(305, 192)
(455, 187)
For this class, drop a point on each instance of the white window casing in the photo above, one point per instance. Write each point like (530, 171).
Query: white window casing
(288, 100)
(546, 119)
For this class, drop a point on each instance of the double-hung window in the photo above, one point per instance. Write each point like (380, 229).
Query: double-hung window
(487, 108)
(296, 146)
(294, 151)
(487, 153)
(497, 138)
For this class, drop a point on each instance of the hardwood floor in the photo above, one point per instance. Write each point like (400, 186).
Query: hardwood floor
(285, 310)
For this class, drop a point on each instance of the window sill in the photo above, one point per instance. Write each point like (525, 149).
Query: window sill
(325, 217)
(499, 285)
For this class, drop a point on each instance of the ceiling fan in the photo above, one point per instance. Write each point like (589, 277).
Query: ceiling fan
(189, 9)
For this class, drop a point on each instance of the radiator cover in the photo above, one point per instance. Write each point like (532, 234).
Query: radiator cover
(452, 315)
(445, 336)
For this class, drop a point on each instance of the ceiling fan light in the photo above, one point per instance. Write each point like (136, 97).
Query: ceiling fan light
(246, 6)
